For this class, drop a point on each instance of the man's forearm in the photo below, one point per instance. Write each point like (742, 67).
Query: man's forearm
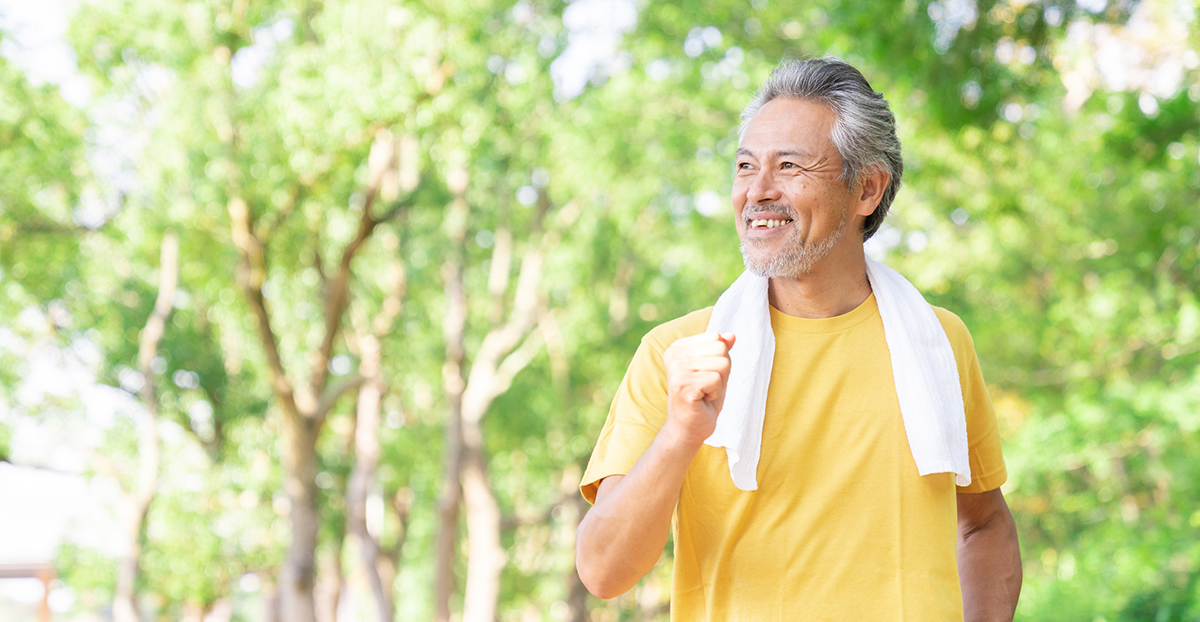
(622, 536)
(989, 568)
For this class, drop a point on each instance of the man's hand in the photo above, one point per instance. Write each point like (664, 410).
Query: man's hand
(622, 536)
(697, 373)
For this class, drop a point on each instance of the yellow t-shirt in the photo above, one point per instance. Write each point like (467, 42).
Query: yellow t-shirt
(841, 527)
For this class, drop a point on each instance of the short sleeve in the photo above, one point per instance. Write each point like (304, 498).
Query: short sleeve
(983, 435)
(638, 412)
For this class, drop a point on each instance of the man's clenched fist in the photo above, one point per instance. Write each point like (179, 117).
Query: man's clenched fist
(697, 372)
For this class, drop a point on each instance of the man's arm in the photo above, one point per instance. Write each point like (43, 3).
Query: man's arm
(622, 536)
(989, 557)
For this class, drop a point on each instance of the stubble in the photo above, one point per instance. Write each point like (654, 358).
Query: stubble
(797, 257)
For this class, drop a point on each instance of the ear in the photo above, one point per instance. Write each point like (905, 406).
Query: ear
(870, 191)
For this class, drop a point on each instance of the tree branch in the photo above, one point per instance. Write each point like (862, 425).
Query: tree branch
(514, 363)
(383, 321)
(331, 394)
(499, 342)
(391, 214)
(498, 276)
(560, 365)
(168, 280)
(337, 295)
(152, 334)
(251, 276)
(401, 504)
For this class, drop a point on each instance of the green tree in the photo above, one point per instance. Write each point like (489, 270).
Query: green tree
(387, 198)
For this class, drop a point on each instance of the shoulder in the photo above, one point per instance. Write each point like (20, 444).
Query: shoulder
(663, 335)
(951, 323)
(956, 331)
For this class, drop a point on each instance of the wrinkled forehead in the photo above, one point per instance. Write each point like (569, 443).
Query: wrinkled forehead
(792, 125)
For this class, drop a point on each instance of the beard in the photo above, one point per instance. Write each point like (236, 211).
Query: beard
(797, 258)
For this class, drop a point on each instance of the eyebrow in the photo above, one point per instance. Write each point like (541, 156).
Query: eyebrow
(778, 154)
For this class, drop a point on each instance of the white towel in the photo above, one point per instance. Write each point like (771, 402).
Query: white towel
(927, 384)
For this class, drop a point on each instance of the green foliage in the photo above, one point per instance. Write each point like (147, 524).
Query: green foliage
(42, 160)
(1065, 238)
(90, 574)
(205, 532)
(5, 442)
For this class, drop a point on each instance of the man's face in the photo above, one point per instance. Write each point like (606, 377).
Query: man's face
(790, 204)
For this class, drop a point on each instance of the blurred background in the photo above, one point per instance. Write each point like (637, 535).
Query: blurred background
(312, 310)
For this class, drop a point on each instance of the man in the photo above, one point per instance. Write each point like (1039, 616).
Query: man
(832, 520)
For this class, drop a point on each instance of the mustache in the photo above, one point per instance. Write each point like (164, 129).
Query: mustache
(778, 208)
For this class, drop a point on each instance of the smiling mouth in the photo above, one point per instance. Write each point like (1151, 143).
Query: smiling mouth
(768, 223)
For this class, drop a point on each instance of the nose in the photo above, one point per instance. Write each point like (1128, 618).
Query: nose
(763, 188)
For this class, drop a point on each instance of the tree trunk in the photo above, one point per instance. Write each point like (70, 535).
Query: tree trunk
(389, 566)
(577, 593)
(125, 601)
(298, 575)
(330, 582)
(270, 597)
(361, 543)
(304, 409)
(454, 329)
(447, 538)
(507, 348)
(485, 556)
(137, 502)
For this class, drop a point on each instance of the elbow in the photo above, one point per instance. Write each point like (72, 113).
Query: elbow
(600, 586)
(606, 595)
(595, 574)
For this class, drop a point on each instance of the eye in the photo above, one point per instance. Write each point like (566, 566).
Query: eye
(787, 165)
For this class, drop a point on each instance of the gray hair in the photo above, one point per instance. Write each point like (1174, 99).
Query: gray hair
(864, 131)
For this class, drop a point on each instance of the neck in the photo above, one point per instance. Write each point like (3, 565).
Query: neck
(836, 285)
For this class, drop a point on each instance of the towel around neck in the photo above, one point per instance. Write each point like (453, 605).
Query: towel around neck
(927, 383)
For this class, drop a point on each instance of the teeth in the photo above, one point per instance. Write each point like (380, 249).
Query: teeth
(770, 224)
